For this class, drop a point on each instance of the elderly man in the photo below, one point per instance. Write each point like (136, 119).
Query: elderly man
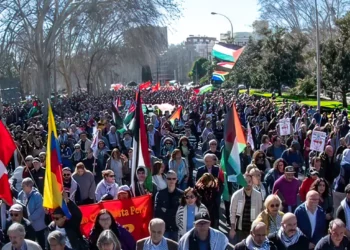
(257, 239)
(289, 236)
(113, 138)
(202, 236)
(311, 218)
(38, 174)
(156, 240)
(331, 171)
(209, 167)
(16, 234)
(16, 216)
(336, 238)
(36, 213)
(57, 241)
(246, 204)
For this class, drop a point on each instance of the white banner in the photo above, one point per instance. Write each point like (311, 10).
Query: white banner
(284, 125)
(318, 141)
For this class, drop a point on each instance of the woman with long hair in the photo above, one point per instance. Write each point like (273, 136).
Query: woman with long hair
(276, 172)
(101, 159)
(105, 221)
(246, 157)
(158, 175)
(208, 188)
(180, 167)
(107, 189)
(86, 182)
(116, 165)
(260, 160)
(321, 186)
(271, 215)
(108, 241)
(190, 204)
(265, 143)
(188, 153)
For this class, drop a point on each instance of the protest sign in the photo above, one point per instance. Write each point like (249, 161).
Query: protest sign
(318, 141)
(284, 125)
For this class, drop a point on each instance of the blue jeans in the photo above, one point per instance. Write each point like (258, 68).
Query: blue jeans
(172, 235)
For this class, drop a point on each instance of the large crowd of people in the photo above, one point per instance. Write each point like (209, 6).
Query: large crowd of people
(294, 197)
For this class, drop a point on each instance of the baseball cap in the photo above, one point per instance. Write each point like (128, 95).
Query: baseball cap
(16, 208)
(36, 159)
(289, 169)
(201, 217)
(124, 189)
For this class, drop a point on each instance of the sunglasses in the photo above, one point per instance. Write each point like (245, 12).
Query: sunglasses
(111, 176)
(274, 205)
(14, 215)
(66, 175)
(171, 179)
(190, 197)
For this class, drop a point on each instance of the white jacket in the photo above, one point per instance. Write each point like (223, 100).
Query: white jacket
(237, 206)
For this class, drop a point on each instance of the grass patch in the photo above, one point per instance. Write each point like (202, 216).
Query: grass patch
(310, 101)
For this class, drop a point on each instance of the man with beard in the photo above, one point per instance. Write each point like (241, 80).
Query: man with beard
(70, 186)
(257, 240)
(289, 236)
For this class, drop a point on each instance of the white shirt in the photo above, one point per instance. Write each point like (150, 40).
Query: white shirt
(312, 219)
(63, 231)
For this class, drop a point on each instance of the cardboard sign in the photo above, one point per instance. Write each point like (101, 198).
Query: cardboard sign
(284, 125)
(318, 141)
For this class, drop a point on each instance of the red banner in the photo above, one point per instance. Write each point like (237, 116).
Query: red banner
(145, 85)
(133, 214)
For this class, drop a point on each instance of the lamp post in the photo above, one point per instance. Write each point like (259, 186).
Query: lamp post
(214, 13)
(318, 76)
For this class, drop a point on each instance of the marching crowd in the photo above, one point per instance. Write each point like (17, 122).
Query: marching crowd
(295, 198)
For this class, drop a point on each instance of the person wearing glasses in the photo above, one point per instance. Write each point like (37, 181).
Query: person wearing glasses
(107, 189)
(70, 186)
(271, 215)
(16, 215)
(70, 228)
(190, 204)
(166, 204)
(213, 149)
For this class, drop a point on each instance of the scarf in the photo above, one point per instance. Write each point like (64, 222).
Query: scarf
(108, 186)
(288, 241)
(275, 224)
(251, 245)
(163, 245)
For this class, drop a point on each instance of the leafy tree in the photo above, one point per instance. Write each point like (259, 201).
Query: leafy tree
(306, 86)
(198, 69)
(335, 60)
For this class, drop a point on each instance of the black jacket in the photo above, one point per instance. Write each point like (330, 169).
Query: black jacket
(72, 226)
(171, 203)
(326, 244)
(30, 232)
(242, 246)
(303, 243)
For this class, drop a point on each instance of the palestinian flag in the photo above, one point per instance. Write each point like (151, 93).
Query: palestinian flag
(235, 143)
(204, 89)
(140, 148)
(176, 115)
(226, 65)
(117, 119)
(130, 114)
(227, 52)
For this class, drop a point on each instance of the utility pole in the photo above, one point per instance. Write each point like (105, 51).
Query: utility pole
(318, 61)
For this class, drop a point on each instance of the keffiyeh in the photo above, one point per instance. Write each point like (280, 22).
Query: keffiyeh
(288, 241)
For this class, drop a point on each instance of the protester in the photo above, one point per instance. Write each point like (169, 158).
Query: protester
(289, 235)
(273, 174)
(203, 236)
(57, 241)
(336, 238)
(190, 205)
(105, 221)
(166, 203)
(107, 189)
(86, 181)
(158, 176)
(71, 187)
(156, 240)
(16, 234)
(257, 239)
(343, 210)
(108, 241)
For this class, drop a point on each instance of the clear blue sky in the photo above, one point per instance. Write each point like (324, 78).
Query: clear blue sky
(197, 20)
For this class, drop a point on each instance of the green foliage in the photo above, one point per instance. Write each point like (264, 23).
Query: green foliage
(306, 86)
(336, 60)
(275, 60)
(199, 69)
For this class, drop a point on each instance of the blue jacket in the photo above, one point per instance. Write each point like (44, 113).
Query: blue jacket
(305, 226)
(35, 208)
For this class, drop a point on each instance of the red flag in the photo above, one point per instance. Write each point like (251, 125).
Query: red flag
(156, 87)
(7, 149)
(119, 102)
(196, 91)
(145, 85)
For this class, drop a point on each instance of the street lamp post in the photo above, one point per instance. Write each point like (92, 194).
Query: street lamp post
(214, 13)
(318, 61)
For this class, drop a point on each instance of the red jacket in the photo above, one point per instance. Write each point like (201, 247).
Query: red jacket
(305, 187)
